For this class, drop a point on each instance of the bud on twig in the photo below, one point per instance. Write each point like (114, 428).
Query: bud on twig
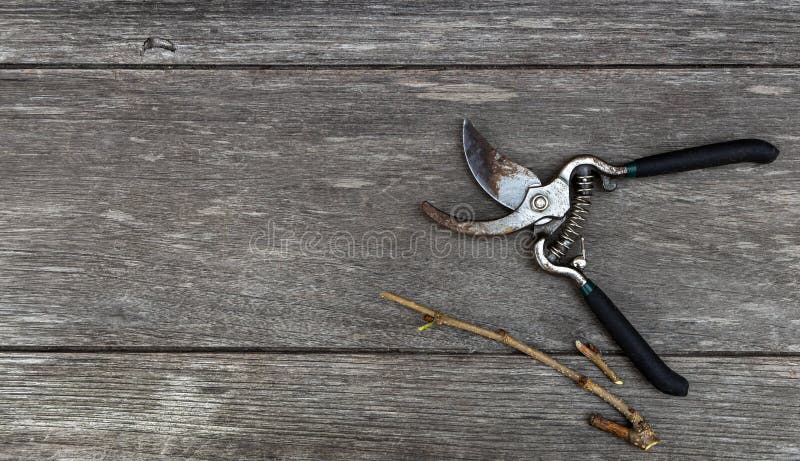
(593, 354)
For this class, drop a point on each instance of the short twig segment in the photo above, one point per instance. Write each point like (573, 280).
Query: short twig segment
(640, 434)
(591, 353)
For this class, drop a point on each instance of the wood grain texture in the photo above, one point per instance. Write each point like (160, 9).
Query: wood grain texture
(303, 406)
(369, 32)
(257, 208)
(199, 206)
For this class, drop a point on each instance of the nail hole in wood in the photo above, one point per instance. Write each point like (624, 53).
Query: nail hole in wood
(158, 42)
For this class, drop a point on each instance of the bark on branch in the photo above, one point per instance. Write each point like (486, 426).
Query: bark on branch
(639, 434)
(591, 352)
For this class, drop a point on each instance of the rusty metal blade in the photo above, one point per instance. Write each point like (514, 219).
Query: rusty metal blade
(504, 180)
(519, 219)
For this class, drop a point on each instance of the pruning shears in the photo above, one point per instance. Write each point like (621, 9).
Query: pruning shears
(556, 212)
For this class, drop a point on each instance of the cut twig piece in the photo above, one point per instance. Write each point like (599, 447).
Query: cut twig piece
(639, 434)
(642, 438)
(593, 354)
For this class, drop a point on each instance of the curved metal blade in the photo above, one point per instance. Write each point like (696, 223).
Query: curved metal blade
(520, 218)
(504, 180)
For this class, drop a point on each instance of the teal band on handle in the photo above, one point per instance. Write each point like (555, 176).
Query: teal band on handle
(630, 170)
(587, 287)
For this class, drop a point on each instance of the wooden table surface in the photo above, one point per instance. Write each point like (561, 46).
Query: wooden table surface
(192, 242)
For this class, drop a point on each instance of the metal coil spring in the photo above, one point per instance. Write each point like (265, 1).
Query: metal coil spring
(570, 231)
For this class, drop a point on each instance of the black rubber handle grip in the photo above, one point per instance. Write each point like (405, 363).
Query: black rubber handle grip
(632, 343)
(695, 158)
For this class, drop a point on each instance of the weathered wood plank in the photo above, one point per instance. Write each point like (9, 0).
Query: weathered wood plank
(244, 207)
(369, 32)
(142, 406)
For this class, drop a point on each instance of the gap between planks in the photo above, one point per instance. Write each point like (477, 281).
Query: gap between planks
(389, 66)
(377, 352)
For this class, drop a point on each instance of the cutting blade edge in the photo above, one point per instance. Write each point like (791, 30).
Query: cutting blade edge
(501, 178)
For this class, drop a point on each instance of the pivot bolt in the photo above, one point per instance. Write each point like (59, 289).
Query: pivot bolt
(539, 202)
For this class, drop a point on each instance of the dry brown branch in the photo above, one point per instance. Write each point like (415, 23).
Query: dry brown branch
(639, 434)
(591, 353)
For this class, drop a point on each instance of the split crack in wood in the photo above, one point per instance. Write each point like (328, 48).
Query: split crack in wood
(640, 434)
